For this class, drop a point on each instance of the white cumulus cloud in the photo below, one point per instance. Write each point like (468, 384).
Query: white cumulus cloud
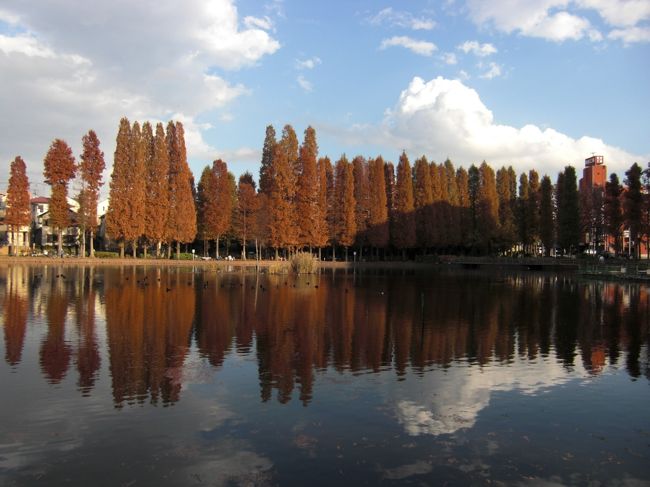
(445, 118)
(72, 66)
(631, 35)
(562, 20)
(423, 48)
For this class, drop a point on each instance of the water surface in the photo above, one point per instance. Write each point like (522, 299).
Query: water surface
(179, 376)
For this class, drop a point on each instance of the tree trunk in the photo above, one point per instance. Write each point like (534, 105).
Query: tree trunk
(92, 245)
(134, 246)
(319, 254)
(158, 246)
(216, 244)
(145, 247)
(178, 249)
(60, 242)
(346, 253)
(333, 253)
(121, 249)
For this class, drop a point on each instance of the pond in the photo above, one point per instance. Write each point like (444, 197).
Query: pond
(129, 376)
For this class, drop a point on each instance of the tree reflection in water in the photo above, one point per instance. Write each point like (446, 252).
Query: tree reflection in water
(297, 327)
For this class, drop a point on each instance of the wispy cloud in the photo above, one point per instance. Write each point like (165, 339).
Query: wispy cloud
(310, 63)
(401, 19)
(305, 84)
(423, 48)
(494, 71)
(449, 58)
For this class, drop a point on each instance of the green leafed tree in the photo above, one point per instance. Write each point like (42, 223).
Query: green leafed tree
(568, 210)
(266, 168)
(614, 211)
(546, 215)
(633, 207)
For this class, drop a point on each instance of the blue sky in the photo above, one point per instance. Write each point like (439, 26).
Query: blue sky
(529, 83)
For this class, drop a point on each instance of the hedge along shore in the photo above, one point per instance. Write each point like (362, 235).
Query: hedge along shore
(217, 264)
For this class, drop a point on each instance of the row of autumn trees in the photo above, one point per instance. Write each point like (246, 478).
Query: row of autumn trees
(307, 202)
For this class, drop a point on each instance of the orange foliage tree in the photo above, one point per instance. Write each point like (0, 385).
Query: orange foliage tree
(404, 237)
(345, 222)
(17, 214)
(283, 228)
(91, 168)
(378, 207)
(59, 169)
(181, 219)
(157, 186)
(307, 196)
(246, 209)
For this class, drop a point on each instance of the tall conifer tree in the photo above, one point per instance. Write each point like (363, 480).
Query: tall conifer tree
(422, 200)
(138, 189)
(378, 220)
(506, 218)
(157, 190)
(614, 211)
(283, 228)
(221, 202)
(204, 200)
(322, 229)
(307, 196)
(404, 237)
(59, 169)
(345, 204)
(546, 223)
(246, 209)
(568, 210)
(181, 219)
(266, 168)
(18, 212)
(489, 206)
(362, 199)
(117, 216)
(633, 207)
(91, 167)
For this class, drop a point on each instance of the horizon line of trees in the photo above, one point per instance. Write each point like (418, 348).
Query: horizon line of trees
(307, 202)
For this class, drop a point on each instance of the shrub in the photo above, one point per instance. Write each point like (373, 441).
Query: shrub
(106, 255)
(279, 268)
(183, 256)
(304, 263)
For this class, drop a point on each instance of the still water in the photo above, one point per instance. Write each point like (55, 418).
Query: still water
(178, 376)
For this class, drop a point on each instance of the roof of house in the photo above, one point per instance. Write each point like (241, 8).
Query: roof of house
(40, 199)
